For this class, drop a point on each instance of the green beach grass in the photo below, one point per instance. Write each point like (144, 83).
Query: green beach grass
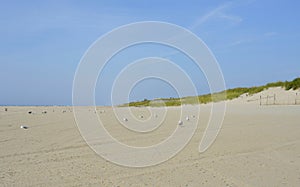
(215, 97)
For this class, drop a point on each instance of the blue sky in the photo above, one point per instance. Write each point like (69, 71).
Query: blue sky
(42, 42)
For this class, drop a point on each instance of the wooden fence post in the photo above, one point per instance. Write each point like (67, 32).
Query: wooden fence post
(260, 100)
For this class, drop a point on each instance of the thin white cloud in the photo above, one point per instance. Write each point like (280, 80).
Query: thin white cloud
(207, 16)
(218, 12)
(253, 39)
(235, 19)
(239, 42)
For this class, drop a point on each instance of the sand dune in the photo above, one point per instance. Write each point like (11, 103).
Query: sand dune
(257, 146)
(272, 96)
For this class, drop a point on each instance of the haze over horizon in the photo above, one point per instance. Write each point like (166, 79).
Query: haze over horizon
(42, 44)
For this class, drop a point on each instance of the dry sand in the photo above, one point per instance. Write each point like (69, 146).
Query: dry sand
(257, 146)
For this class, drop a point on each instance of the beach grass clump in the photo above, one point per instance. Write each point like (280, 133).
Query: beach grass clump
(295, 84)
(276, 84)
(140, 103)
(173, 103)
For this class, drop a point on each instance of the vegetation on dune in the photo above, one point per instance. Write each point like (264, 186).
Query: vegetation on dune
(295, 84)
(216, 97)
(145, 102)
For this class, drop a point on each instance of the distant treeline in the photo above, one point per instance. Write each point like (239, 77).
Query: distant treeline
(215, 97)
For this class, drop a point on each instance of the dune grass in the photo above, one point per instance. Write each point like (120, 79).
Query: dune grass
(295, 84)
(216, 97)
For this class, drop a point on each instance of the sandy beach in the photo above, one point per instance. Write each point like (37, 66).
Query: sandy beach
(257, 146)
(150, 93)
